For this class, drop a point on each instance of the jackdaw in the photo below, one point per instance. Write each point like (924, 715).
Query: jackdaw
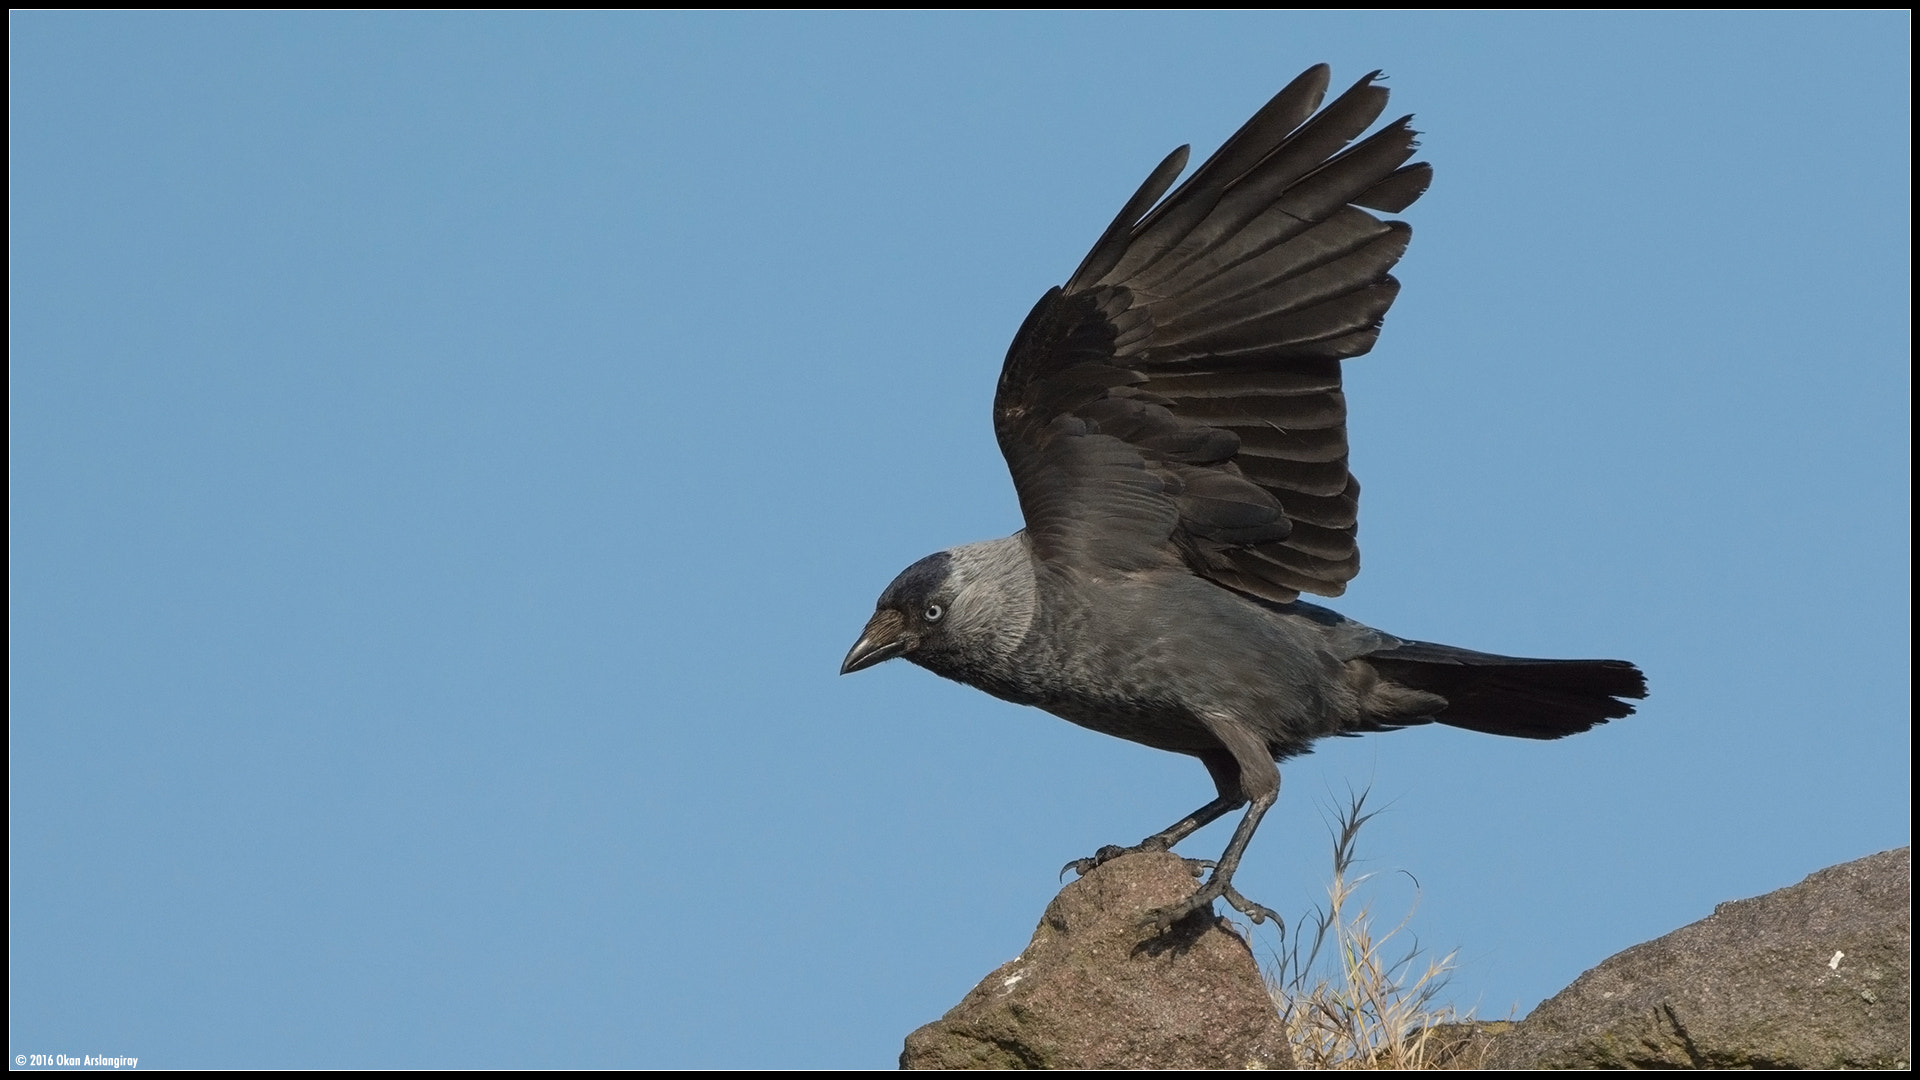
(1173, 420)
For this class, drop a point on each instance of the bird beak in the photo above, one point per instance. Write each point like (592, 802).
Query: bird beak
(881, 640)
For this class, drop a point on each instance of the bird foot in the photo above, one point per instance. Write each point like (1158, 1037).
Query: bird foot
(1259, 913)
(1081, 867)
(1203, 897)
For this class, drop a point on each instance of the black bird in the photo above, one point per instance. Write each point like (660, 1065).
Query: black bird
(1173, 420)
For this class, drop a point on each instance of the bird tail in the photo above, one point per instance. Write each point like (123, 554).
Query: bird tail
(1510, 695)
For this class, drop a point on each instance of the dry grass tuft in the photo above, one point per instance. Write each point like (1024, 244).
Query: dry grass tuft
(1347, 1000)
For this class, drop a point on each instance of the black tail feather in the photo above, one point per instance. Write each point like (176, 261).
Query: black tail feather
(1510, 695)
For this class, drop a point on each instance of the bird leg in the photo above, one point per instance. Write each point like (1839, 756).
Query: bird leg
(1164, 839)
(1220, 884)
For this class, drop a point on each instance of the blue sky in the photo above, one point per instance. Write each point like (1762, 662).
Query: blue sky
(450, 456)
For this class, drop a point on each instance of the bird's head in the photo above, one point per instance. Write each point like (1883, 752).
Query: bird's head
(911, 614)
(958, 613)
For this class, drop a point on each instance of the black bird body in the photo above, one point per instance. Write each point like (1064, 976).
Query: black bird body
(1270, 664)
(1175, 428)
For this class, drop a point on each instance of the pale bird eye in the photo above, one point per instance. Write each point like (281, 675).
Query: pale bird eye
(934, 611)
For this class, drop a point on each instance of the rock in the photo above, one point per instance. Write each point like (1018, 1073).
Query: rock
(1813, 976)
(1463, 1044)
(1096, 990)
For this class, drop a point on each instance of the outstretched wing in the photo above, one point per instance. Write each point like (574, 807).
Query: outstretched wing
(1178, 400)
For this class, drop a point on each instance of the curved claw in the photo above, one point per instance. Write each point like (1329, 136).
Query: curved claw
(1105, 855)
(1259, 913)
